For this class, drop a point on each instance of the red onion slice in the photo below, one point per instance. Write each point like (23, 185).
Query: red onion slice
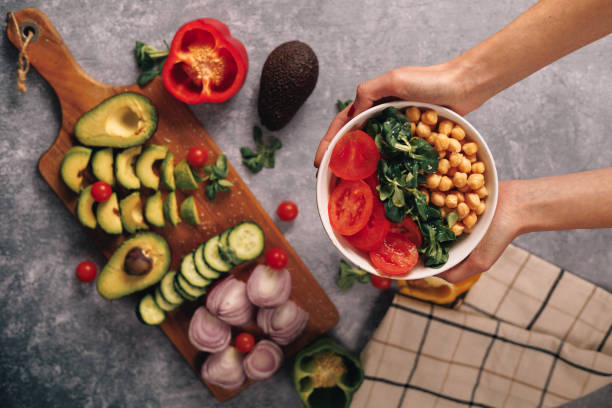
(229, 302)
(263, 361)
(224, 369)
(268, 287)
(284, 323)
(207, 333)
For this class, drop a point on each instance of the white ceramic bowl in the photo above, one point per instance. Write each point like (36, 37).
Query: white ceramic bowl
(464, 244)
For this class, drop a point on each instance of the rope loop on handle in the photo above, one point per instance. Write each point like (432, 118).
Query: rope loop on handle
(23, 61)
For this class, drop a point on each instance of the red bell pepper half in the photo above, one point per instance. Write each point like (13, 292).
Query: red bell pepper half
(205, 63)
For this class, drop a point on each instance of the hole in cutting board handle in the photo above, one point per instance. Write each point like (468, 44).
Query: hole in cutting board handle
(27, 27)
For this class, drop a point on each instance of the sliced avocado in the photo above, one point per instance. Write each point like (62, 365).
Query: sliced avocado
(85, 209)
(73, 165)
(189, 211)
(171, 209)
(144, 165)
(140, 262)
(131, 213)
(154, 210)
(124, 120)
(184, 176)
(124, 168)
(108, 215)
(102, 165)
(167, 172)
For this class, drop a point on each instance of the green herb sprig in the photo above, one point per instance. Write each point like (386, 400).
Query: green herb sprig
(340, 105)
(215, 175)
(347, 275)
(150, 60)
(264, 156)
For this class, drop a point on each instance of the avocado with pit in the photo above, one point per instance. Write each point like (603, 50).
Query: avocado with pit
(167, 172)
(189, 211)
(124, 168)
(131, 213)
(141, 261)
(108, 215)
(85, 209)
(171, 209)
(154, 210)
(102, 166)
(124, 120)
(144, 165)
(73, 167)
(288, 77)
(183, 176)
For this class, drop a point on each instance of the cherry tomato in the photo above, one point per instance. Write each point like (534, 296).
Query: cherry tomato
(355, 156)
(350, 206)
(287, 211)
(101, 191)
(196, 157)
(373, 234)
(396, 256)
(410, 230)
(276, 258)
(245, 342)
(86, 271)
(380, 282)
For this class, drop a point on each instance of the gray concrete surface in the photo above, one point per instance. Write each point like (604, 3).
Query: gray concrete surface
(62, 345)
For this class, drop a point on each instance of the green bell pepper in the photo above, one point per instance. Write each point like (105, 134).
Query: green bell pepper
(326, 375)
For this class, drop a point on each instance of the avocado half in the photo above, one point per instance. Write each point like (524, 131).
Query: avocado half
(124, 120)
(138, 263)
(73, 165)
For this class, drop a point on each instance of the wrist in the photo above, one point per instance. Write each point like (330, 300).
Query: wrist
(468, 82)
(513, 208)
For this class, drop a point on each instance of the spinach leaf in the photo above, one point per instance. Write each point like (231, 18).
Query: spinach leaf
(264, 156)
(347, 275)
(150, 60)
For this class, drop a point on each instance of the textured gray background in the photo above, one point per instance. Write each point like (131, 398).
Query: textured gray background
(62, 345)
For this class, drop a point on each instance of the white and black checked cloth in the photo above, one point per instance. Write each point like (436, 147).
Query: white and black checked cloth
(528, 334)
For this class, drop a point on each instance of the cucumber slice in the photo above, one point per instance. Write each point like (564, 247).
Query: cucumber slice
(190, 274)
(148, 312)
(161, 302)
(188, 289)
(213, 258)
(180, 291)
(201, 267)
(246, 241)
(167, 290)
(224, 250)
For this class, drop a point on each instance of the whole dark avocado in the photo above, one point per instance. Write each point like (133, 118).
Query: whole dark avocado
(288, 77)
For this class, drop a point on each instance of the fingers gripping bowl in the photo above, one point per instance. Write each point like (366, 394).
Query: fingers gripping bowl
(439, 195)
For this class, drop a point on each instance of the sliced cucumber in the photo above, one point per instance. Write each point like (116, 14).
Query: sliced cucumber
(148, 312)
(162, 303)
(224, 250)
(188, 289)
(190, 274)
(213, 258)
(182, 292)
(167, 290)
(246, 241)
(201, 267)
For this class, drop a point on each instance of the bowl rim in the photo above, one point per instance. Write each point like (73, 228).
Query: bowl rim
(419, 271)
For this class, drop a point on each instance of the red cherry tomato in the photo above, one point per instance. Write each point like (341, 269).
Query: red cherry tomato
(396, 256)
(245, 342)
(196, 157)
(350, 206)
(287, 211)
(373, 234)
(86, 271)
(380, 282)
(101, 191)
(355, 156)
(276, 258)
(410, 230)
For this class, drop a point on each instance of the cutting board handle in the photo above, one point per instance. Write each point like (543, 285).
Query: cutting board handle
(49, 55)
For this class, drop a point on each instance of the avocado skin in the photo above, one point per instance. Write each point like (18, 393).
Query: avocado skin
(288, 77)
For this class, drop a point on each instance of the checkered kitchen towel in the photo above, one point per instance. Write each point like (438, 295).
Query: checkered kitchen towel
(527, 334)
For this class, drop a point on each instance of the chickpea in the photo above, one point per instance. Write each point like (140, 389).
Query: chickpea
(470, 148)
(462, 210)
(451, 172)
(445, 184)
(442, 142)
(423, 130)
(441, 154)
(455, 159)
(433, 181)
(475, 181)
(445, 127)
(467, 230)
(457, 229)
(451, 200)
(413, 114)
(429, 117)
(460, 197)
(465, 189)
(458, 133)
(431, 139)
(471, 157)
(412, 127)
(472, 200)
(478, 167)
(460, 179)
(443, 166)
(438, 199)
(481, 208)
(470, 220)
(482, 192)
(465, 166)
(454, 146)
(426, 192)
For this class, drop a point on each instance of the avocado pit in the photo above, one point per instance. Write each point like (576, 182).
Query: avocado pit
(137, 262)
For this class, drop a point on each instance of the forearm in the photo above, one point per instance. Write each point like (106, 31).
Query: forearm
(546, 32)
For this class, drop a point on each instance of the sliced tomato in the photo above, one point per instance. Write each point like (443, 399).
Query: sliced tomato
(355, 156)
(373, 183)
(410, 230)
(350, 206)
(373, 234)
(396, 256)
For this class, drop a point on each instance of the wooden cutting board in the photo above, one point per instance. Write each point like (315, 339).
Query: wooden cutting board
(179, 130)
